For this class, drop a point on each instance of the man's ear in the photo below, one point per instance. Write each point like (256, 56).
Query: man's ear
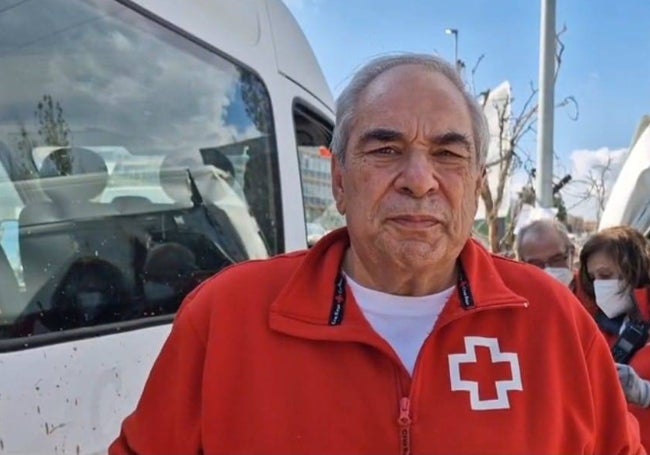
(338, 188)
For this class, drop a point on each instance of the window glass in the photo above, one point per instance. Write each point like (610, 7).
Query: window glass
(313, 135)
(11, 271)
(140, 163)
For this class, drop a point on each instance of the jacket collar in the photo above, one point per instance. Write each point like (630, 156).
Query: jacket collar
(304, 306)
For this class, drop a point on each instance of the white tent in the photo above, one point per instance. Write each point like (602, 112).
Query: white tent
(629, 200)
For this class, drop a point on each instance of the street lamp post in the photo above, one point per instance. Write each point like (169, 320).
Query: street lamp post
(454, 31)
(544, 180)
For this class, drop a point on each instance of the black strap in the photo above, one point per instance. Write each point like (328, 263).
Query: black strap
(338, 303)
(464, 289)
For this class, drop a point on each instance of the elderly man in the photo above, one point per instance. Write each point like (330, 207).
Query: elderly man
(397, 334)
(545, 244)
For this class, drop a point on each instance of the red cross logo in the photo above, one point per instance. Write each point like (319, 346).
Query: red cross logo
(506, 364)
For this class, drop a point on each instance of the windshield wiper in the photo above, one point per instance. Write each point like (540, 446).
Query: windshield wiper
(227, 239)
(196, 198)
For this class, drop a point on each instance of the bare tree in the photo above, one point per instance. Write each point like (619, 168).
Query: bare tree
(594, 187)
(511, 129)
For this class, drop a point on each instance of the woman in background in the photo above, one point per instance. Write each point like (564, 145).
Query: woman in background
(615, 274)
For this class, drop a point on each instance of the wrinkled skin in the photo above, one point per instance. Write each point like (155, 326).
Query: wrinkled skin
(409, 184)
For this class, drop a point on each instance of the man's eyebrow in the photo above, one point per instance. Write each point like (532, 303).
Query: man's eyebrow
(380, 135)
(452, 137)
(389, 135)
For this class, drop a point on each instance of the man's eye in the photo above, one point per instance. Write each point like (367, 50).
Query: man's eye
(446, 153)
(384, 151)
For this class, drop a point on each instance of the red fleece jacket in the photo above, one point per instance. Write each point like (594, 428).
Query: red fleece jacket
(253, 365)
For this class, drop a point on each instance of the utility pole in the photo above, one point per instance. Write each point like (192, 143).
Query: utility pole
(454, 31)
(544, 180)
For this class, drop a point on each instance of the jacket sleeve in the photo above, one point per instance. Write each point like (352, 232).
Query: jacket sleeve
(167, 418)
(616, 430)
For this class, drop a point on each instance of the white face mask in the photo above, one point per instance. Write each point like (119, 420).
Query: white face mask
(562, 274)
(610, 299)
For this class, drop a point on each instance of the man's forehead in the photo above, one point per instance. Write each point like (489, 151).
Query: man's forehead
(542, 239)
(410, 79)
(406, 96)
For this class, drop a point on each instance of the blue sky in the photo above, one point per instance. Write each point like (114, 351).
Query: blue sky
(606, 62)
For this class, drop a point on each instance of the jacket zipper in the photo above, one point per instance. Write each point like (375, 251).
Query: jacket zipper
(404, 421)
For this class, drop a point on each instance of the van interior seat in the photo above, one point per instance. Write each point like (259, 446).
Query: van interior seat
(132, 204)
(68, 224)
(168, 275)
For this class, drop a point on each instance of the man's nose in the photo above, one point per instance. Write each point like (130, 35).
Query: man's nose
(418, 176)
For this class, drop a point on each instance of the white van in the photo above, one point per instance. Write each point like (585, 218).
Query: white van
(144, 146)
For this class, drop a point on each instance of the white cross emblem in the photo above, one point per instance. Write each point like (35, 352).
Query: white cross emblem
(502, 386)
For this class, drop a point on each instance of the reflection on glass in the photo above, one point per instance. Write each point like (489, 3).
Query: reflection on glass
(135, 164)
(313, 136)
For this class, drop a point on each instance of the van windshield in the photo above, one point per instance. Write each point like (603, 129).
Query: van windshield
(134, 164)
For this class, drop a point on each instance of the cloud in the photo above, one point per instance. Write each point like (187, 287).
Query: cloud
(120, 85)
(593, 174)
(585, 161)
(587, 167)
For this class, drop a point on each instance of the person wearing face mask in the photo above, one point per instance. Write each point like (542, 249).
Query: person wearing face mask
(615, 275)
(545, 244)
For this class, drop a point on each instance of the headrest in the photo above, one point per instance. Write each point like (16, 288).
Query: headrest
(175, 181)
(169, 262)
(73, 174)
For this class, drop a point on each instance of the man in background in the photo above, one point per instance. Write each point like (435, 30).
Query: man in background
(545, 244)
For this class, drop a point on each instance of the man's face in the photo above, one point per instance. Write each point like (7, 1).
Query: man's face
(410, 182)
(545, 250)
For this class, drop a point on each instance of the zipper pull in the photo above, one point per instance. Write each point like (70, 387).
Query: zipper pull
(404, 421)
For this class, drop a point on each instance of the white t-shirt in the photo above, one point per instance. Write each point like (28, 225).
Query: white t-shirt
(404, 322)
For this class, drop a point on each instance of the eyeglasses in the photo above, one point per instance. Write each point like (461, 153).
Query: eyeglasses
(558, 260)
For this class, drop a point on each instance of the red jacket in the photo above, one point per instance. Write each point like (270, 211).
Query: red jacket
(641, 364)
(253, 365)
(581, 294)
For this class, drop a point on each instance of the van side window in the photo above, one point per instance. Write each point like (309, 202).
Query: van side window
(142, 163)
(313, 136)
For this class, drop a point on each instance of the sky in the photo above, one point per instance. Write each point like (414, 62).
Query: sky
(605, 64)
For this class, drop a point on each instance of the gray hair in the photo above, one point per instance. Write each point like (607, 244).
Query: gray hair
(348, 99)
(539, 227)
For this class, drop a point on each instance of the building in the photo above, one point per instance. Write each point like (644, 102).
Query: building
(629, 200)
(315, 172)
